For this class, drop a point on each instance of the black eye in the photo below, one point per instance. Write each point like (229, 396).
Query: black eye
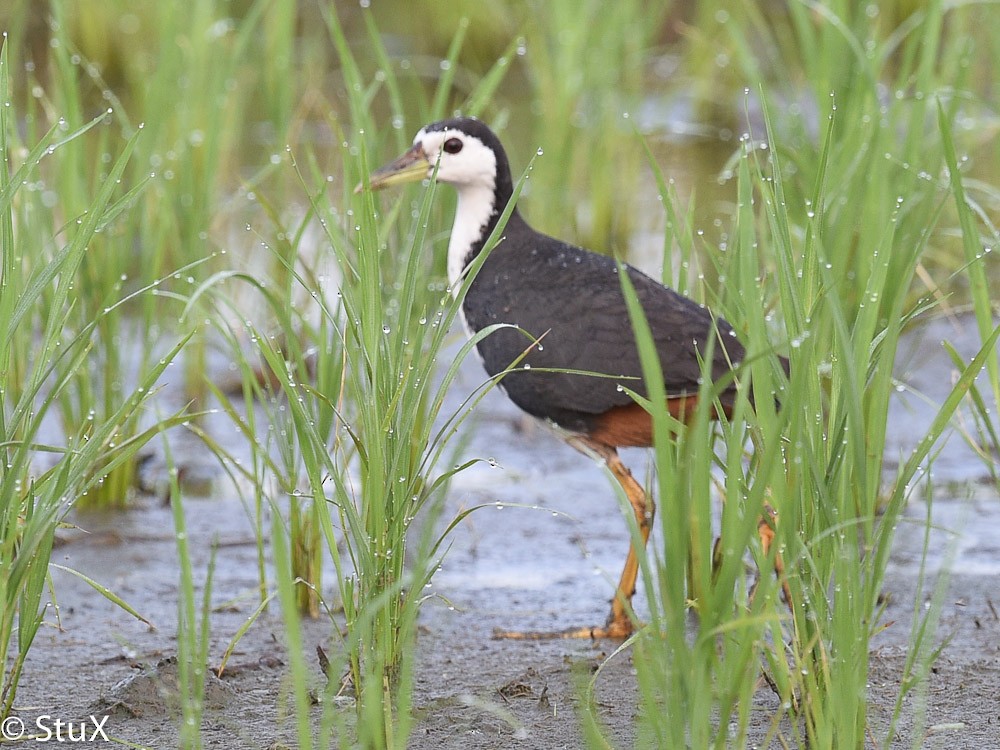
(453, 145)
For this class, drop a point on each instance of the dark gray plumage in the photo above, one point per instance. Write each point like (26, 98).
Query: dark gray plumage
(572, 298)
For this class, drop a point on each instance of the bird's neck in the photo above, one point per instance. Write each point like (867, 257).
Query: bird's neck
(476, 216)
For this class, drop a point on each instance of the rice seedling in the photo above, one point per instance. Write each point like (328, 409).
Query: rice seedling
(357, 436)
(192, 631)
(103, 273)
(587, 80)
(187, 74)
(839, 267)
(43, 346)
(127, 254)
(291, 348)
(398, 432)
(367, 465)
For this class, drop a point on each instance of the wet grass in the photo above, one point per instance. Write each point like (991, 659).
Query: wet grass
(354, 396)
(45, 347)
(193, 623)
(844, 298)
(835, 519)
(583, 103)
(852, 214)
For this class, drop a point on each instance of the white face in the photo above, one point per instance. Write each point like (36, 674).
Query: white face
(464, 159)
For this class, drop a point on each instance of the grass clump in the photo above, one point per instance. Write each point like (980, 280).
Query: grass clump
(192, 630)
(836, 271)
(351, 474)
(588, 81)
(44, 346)
(360, 431)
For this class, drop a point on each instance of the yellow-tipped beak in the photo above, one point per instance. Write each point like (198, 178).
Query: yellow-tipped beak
(410, 167)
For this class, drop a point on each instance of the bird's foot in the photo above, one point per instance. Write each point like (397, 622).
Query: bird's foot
(615, 629)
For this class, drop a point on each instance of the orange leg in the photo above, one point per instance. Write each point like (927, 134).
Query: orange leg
(765, 530)
(619, 623)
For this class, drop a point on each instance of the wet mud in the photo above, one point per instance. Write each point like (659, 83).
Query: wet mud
(545, 567)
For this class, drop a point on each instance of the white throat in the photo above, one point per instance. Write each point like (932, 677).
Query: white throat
(475, 207)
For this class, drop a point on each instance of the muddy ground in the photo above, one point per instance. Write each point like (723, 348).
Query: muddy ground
(511, 567)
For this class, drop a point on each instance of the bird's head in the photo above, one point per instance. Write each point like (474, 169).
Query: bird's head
(465, 152)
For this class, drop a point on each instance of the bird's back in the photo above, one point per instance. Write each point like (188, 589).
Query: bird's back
(571, 300)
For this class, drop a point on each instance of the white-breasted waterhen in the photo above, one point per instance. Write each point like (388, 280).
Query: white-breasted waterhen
(571, 299)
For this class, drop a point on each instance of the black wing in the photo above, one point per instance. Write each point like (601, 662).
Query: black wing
(572, 300)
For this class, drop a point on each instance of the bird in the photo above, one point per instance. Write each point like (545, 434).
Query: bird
(585, 361)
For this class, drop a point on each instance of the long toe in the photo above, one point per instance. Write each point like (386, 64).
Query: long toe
(615, 629)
